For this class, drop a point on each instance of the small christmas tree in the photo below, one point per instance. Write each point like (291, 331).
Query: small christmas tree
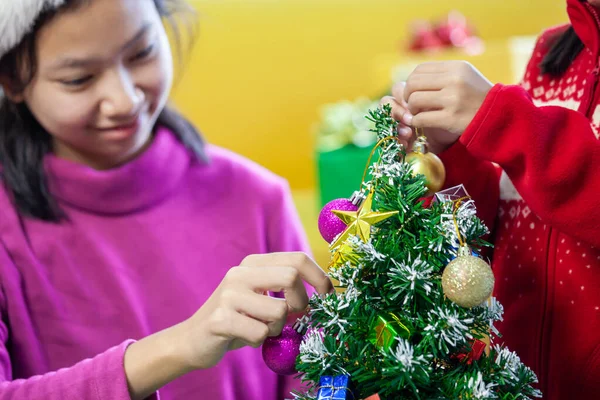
(413, 315)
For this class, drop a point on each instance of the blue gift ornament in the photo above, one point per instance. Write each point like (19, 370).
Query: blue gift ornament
(335, 388)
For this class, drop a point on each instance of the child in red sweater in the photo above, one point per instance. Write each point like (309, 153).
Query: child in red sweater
(529, 155)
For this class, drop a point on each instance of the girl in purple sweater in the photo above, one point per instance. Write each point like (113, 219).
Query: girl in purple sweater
(123, 238)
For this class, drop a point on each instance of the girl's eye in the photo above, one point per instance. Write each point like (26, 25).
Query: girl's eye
(144, 53)
(77, 82)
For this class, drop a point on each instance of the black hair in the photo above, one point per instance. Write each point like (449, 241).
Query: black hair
(564, 49)
(24, 142)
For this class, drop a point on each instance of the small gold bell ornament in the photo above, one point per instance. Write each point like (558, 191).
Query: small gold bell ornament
(426, 164)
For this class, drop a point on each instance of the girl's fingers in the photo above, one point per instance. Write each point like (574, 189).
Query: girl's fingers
(425, 101)
(398, 93)
(305, 267)
(270, 310)
(287, 273)
(404, 132)
(387, 100)
(399, 112)
(431, 119)
(243, 330)
(261, 279)
(419, 82)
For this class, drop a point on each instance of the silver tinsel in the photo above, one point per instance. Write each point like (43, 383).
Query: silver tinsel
(346, 274)
(512, 367)
(480, 389)
(465, 218)
(448, 328)
(390, 171)
(494, 312)
(312, 349)
(367, 251)
(509, 359)
(404, 354)
(331, 306)
(417, 274)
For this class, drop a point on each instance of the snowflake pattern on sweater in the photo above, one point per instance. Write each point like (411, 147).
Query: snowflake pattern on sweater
(515, 218)
(546, 256)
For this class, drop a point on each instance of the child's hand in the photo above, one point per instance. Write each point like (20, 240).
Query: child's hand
(445, 95)
(239, 313)
(438, 139)
(442, 98)
(399, 111)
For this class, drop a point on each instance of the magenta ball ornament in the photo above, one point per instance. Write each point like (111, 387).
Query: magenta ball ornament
(329, 224)
(280, 352)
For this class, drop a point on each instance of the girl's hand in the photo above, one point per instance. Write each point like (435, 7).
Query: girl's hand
(440, 97)
(239, 313)
(401, 114)
(438, 139)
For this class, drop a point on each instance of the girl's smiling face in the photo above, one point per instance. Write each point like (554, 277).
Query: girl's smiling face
(103, 74)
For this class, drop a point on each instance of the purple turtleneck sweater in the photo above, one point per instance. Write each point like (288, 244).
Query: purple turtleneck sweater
(143, 248)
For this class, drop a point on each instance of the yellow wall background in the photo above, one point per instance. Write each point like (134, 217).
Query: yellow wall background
(261, 69)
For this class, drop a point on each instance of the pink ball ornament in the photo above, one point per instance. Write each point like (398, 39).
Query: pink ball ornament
(329, 224)
(280, 352)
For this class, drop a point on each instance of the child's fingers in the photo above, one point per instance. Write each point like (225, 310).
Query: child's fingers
(282, 278)
(292, 317)
(406, 139)
(418, 82)
(305, 267)
(404, 132)
(436, 67)
(387, 100)
(258, 306)
(397, 108)
(243, 329)
(270, 310)
(425, 101)
(398, 93)
(432, 119)
(288, 271)
(399, 112)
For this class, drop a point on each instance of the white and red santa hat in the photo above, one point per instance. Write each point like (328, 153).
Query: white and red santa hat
(17, 18)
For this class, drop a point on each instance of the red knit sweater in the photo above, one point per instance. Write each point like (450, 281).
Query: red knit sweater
(535, 154)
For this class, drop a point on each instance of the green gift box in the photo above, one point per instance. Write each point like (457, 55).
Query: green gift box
(344, 142)
(386, 329)
(340, 171)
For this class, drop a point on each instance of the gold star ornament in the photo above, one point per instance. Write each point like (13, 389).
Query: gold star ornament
(345, 253)
(359, 222)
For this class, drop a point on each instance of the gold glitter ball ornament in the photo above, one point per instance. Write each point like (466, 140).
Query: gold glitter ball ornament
(467, 280)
